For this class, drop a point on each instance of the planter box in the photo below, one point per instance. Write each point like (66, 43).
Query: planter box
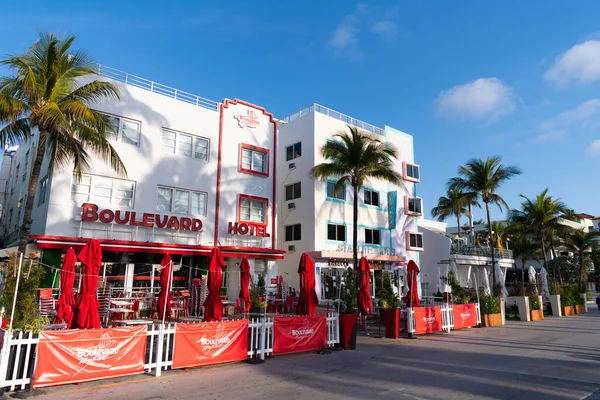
(489, 320)
(348, 331)
(392, 323)
(568, 310)
(537, 315)
(580, 309)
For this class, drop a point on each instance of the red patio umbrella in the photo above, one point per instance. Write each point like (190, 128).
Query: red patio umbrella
(213, 308)
(64, 311)
(85, 311)
(245, 283)
(166, 281)
(365, 304)
(308, 300)
(411, 279)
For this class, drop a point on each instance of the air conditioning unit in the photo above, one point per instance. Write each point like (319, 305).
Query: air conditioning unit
(291, 248)
(292, 165)
(291, 206)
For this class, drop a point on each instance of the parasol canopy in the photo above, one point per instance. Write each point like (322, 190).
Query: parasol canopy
(213, 307)
(66, 300)
(85, 314)
(245, 284)
(308, 300)
(365, 304)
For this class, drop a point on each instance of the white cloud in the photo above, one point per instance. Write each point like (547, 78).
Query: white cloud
(581, 63)
(593, 150)
(344, 40)
(585, 115)
(483, 98)
(388, 30)
(549, 136)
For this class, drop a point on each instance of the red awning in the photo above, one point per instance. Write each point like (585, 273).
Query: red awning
(64, 242)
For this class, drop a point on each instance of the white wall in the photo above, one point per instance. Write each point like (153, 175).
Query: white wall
(438, 249)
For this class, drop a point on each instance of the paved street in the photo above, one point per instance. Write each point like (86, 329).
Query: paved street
(552, 359)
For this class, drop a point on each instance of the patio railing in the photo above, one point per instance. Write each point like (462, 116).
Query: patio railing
(481, 252)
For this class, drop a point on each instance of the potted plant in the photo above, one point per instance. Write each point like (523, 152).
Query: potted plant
(348, 310)
(389, 302)
(535, 309)
(490, 311)
(567, 300)
(257, 303)
(579, 303)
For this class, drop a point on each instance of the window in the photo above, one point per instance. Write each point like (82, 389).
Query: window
(174, 142)
(24, 176)
(413, 206)
(17, 172)
(10, 215)
(20, 209)
(340, 195)
(336, 232)
(293, 151)
(43, 188)
(371, 197)
(412, 172)
(103, 190)
(372, 236)
(253, 209)
(124, 130)
(254, 160)
(293, 232)
(181, 201)
(414, 241)
(293, 191)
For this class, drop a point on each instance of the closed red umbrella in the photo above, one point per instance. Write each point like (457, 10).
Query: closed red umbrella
(308, 300)
(245, 284)
(412, 297)
(64, 311)
(85, 314)
(213, 308)
(365, 304)
(166, 281)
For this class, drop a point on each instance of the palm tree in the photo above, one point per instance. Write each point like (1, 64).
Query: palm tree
(454, 203)
(353, 158)
(581, 243)
(49, 96)
(541, 217)
(525, 249)
(482, 179)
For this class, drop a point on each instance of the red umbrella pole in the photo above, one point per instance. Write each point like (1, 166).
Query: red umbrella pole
(169, 283)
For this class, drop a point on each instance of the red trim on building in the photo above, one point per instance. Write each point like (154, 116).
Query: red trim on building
(63, 242)
(257, 148)
(267, 209)
(219, 163)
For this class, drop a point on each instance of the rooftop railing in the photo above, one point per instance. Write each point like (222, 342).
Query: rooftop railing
(155, 87)
(481, 252)
(333, 114)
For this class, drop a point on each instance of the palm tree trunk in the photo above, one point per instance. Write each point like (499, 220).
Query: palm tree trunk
(557, 263)
(31, 191)
(487, 210)
(355, 229)
(581, 269)
(458, 223)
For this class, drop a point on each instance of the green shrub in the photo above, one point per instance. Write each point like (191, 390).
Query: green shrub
(388, 300)
(489, 305)
(570, 295)
(349, 292)
(534, 303)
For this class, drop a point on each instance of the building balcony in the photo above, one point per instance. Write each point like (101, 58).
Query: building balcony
(480, 251)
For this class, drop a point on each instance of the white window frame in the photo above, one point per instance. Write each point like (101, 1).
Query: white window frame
(174, 190)
(252, 202)
(373, 230)
(294, 194)
(336, 232)
(407, 206)
(251, 169)
(405, 169)
(119, 132)
(293, 151)
(371, 191)
(293, 236)
(92, 197)
(43, 189)
(342, 192)
(176, 149)
(416, 247)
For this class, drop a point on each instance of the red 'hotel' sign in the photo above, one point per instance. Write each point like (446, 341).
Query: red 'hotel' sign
(91, 213)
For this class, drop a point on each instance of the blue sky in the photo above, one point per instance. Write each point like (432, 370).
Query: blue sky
(519, 79)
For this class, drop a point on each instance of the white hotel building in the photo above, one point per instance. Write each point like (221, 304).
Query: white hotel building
(201, 174)
(311, 219)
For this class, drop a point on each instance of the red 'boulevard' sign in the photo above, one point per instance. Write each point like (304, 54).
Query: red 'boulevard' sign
(91, 213)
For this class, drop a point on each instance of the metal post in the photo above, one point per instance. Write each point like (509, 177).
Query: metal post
(12, 313)
(159, 350)
(169, 282)
(477, 292)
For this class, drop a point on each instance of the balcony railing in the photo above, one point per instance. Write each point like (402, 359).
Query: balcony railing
(333, 114)
(155, 87)
(481, 252)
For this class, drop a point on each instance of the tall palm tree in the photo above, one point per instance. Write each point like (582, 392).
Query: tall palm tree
(481, 179)
(49, 96)
(455, 203)
(526, 250)
(581, 243)
(353, 158)
(540, 217)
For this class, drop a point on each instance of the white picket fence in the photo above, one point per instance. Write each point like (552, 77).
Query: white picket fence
(18, 354)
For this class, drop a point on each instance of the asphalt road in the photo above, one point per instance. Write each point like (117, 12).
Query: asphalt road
(558, 358)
